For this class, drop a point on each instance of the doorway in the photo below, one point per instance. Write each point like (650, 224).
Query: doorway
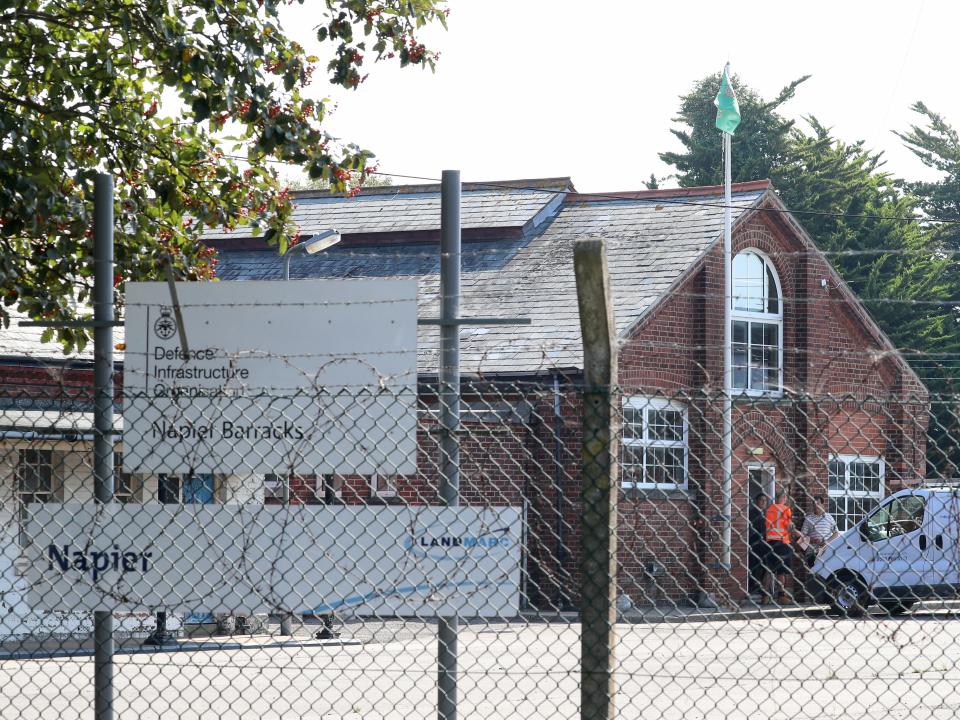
(761, 478)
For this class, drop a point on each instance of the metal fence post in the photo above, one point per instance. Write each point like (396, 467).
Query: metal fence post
(103, 419)
(286, 618)
(599, 477)
(449, 416)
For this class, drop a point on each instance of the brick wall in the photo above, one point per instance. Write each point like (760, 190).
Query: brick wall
(829, 352)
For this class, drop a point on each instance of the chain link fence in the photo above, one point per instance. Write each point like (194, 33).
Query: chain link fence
(828, 590)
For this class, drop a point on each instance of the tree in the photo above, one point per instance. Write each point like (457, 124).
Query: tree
(321, 184)
(937, 144)
(760, 144)
(82, 88)
(855, 212)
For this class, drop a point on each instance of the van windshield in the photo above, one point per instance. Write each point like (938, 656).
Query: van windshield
(900, 516)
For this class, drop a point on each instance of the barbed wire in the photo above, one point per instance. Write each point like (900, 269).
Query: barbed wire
(490, 297)
(524, 352)
(493, 248)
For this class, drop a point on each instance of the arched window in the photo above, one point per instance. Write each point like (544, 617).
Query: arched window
(757, 325)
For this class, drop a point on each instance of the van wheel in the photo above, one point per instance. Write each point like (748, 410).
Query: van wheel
(898, 608)
(848, 596)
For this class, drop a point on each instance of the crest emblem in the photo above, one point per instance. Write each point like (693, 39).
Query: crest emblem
(165, 327)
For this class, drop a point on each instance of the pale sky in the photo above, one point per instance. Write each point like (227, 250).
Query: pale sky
(537, 88)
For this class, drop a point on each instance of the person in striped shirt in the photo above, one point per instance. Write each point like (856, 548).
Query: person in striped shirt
(819, 528)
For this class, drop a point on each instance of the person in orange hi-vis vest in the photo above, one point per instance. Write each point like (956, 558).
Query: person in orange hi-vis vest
(779, 521)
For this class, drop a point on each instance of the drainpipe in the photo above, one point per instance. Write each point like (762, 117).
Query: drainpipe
(563, 599)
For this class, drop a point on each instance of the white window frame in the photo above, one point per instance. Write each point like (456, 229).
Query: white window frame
(337, 482)
(383, 486)
(758, 317)
(644, 404)
(848, 494)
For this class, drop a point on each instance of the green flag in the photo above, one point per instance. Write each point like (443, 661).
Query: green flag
(728, 109)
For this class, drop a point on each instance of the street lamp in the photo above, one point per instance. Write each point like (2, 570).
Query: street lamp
(317, 243)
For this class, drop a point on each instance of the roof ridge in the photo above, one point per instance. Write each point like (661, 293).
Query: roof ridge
(550, 183)
(751, 186)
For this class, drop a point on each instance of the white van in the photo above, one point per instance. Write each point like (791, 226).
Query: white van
(905, 550)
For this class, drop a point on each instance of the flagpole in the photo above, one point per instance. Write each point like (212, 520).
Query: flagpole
(727, 509)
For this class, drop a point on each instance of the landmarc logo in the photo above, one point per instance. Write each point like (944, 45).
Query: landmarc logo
(428, 541)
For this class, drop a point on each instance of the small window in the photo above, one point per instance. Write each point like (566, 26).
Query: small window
(383, 486)
(755, 285)
(330, 488)
(855, 486)
(198, 489)
(35, 476)
(273, 487)
(168, 489)
(195, 489)
(654, 447)
(756, 325)
(123, 484)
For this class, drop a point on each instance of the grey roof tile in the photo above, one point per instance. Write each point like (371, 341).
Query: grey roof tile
(409, 212)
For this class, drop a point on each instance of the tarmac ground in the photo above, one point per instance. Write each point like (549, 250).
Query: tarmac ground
(784, 663)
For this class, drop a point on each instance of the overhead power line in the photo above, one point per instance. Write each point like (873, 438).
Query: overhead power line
(693, 203)
(657, 200)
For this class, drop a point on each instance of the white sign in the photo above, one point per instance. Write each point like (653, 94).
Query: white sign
(307, 376)
(413, 560)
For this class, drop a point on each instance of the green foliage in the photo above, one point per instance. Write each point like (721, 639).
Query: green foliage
(81, 88)
(937, 144)
(319, 184)
(857, 213)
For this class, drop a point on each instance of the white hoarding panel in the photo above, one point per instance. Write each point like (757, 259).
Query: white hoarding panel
(306, 376)
(422, 561)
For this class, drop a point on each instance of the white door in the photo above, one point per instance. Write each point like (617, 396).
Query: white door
(897, 541)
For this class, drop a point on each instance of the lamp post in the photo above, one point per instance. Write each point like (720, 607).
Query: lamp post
(317, 243)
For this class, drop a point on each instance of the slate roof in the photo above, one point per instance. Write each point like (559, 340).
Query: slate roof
(651, 242)
(413, 209)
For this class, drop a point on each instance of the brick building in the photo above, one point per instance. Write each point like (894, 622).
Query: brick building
(824, 403)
